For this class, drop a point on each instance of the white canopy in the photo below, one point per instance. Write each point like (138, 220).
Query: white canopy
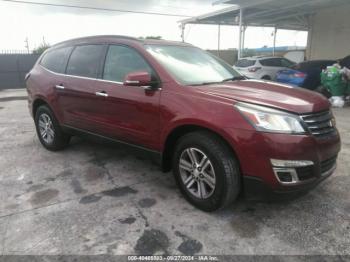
(283, 14)
(280, 14)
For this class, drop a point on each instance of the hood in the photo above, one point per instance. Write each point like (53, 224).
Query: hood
(285, 97)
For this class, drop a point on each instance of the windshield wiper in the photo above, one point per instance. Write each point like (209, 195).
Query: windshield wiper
(235, 78)
(204, 83)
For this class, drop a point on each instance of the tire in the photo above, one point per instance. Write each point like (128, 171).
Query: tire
(55, 138)
(266, 78)
(222, 164)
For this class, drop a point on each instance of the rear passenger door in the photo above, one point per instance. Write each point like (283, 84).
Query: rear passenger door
(77, 96)
(54, 62)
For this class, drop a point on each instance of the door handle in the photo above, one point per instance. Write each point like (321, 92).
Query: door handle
(59, 86)
(102, 93)
(148, 88)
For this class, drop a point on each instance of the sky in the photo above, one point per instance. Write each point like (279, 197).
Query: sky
(55, 24)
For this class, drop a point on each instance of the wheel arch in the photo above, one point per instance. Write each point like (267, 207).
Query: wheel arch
(39, 101)
(177, 133)
(266, 77)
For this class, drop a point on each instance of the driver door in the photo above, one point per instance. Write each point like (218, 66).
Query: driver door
(131, 113)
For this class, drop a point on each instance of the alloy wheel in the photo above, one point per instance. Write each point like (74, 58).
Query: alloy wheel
(46, 129)
(197, 173)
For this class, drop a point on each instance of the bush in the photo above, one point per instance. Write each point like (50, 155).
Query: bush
(41, 48)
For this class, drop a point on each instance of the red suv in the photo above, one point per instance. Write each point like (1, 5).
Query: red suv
(220, 133)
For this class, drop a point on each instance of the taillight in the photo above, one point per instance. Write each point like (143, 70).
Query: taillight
(254, 69)
(299, 75)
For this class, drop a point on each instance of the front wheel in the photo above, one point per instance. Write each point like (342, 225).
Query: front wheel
(206, 171)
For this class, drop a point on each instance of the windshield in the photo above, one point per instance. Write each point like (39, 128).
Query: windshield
(192, 66)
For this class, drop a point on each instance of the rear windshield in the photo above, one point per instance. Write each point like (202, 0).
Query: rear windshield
(245, 63)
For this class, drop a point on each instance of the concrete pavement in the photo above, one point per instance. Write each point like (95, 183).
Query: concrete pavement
(98, 198)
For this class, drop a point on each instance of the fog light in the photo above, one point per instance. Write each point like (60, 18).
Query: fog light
(286, 175)
(285, 170)
(291, 163)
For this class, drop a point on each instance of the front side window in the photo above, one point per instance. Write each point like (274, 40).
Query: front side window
(85, 61)
(122, 60)
(190, 65)
(56, 60)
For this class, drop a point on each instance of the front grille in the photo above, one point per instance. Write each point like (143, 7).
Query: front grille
(320, 124)
(328, 164)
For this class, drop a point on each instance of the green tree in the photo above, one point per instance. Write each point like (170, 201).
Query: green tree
(41, 48)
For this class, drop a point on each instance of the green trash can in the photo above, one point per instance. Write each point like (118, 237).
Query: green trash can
(332, 80)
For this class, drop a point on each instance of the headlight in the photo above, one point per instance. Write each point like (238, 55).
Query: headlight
(271, 120)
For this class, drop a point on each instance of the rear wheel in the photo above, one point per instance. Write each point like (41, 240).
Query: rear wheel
(48, 130)
(206, 171)
(266, 78)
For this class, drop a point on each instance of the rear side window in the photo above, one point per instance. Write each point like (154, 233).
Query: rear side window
(85, 61)
(271, 62)
(122, 60)
(245, 63)
(56, 60)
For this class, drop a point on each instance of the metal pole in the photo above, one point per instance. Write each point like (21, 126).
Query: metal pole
(310, 26)
(219, 29)
(274, 42)
(240, 33)
(243, 38)
(183, 32)
(26, 41)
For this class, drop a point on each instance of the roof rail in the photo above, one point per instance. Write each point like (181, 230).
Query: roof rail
(96, 37)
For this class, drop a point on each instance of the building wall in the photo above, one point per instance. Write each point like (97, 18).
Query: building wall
(329, 35)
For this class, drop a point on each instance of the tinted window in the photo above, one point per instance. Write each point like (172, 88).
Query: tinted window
(315, 64)
(245, 63)
(122, 60)
(345, 62)
(287, 63)
(56, 60)
(85, 61)
(271, 62)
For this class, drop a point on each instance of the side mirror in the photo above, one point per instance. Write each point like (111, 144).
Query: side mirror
(140, 78)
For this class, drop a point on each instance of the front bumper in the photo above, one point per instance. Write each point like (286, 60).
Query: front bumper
(256, 189)
(255, 150)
